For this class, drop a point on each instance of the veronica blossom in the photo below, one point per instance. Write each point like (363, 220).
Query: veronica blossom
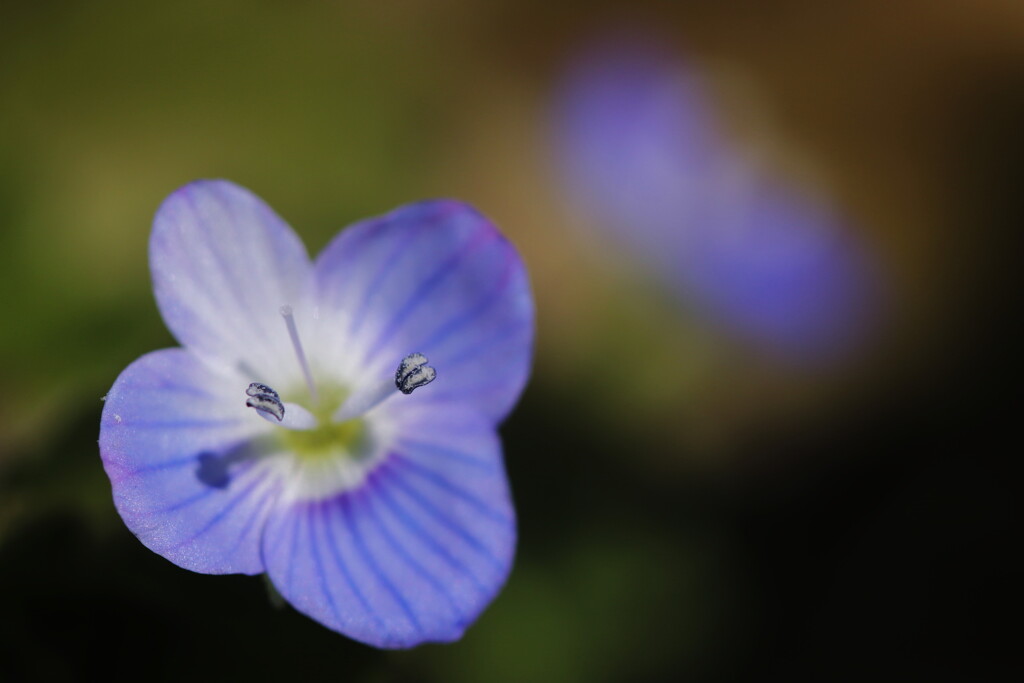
(331, 423)
(645, 157)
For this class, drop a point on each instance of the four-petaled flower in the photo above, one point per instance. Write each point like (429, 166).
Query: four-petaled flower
(384, 516)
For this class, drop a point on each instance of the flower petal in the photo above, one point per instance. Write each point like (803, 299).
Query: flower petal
(417, 552)
(435, 278)
(223, 264)
(181, 452)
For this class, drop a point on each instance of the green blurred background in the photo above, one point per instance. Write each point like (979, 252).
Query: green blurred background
(692, 511)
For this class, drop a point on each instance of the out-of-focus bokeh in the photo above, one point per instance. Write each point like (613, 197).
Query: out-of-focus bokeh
(770, 242)
(643, 154)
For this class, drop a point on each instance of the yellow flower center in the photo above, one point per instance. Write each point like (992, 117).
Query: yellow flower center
(328, 438)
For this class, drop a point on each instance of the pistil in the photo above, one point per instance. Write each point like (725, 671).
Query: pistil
(293, 332)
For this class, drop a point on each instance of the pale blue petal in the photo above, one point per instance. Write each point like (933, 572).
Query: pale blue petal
(435, 278)
(416, 553)
(184, 461)
(223, 264)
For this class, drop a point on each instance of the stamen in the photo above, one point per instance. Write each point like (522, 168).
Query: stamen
(413, 372)
(265, 400)
(268, 405)
(289, 320)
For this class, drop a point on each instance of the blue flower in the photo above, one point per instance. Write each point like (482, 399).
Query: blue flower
(298, 432)
(644, 156)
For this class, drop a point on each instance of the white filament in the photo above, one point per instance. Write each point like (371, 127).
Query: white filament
(362, 401)
(412, 373)
(295, 417)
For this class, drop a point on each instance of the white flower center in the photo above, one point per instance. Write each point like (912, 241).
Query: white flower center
(332, 443)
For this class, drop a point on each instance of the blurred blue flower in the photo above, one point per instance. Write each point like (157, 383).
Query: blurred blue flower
(642, 156)
(384, 516)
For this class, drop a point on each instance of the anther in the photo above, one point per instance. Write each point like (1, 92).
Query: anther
(413, 372)
(265, 400)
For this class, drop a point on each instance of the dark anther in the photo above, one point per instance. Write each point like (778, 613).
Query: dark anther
(265, 400)
(413, 373)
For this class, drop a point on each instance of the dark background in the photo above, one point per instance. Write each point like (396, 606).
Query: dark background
(725, 519)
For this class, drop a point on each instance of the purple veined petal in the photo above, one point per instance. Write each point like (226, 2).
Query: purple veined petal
(223, 264)
(435, 278)
(182, 453)
(416, 553)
